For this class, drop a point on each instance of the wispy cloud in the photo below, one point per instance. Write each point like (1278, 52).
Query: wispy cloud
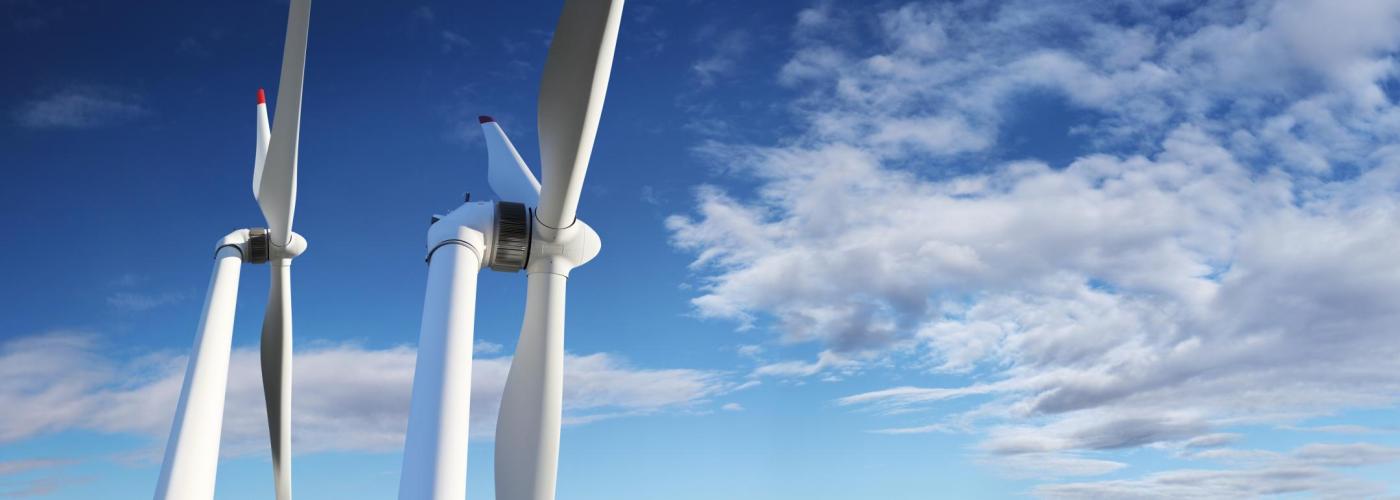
(79, 107)
(826, 361)
(453, 41)
(1308, 469)
(137, 302)
(65, 381)
(423, 13)
(35, 477)
(1202, 263)
(723, 52)
(11, 467)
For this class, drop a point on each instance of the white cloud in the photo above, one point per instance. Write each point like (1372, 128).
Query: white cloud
(1336, 429)
(12, 467)
(1217, 255)
(35, 477)
(723, 54)
(485, 347)
(66, 381)
(1212, 440)
(136, 301)
(826, 361)
(452, 40)
(922, 429)
(752, 351)
(1052, 465)
(423, 13)
(79, 107)
(1309, 469)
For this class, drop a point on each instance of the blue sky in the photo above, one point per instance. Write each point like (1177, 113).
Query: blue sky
(895, 250)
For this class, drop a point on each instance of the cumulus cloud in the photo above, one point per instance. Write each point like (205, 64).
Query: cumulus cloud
(79, 107)
(1218, 253)
(69, 381)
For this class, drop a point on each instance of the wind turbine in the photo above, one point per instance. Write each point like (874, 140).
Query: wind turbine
(532, 227)
(192, 453)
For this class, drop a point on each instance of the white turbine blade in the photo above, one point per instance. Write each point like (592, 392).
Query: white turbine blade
(277, 186)
(506, 171)
(571, 102)
(439, 421)
(264, 135)
(527, 430)
(192, 454)
(277, 373)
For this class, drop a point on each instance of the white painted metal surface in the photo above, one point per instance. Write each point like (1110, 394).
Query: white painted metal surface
(276, 194)
(435, 448)
(506, 171)
(439, 422)
(192, 453)
(527, 430)
(276, 358)
(263, 137)
(191, 458)
(527, 434)
(572, 88)
(572, 91)
(277, 186)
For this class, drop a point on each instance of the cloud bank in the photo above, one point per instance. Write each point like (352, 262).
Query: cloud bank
(1219, 253)
(70, 381)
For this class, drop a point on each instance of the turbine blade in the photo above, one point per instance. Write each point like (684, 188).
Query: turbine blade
(277, 373)
(277, 186)
(506, 171)
(527, 430)
(264, 135)
(571, 102)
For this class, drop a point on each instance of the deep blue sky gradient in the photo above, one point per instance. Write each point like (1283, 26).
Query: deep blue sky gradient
(134, 205)
(389, 137)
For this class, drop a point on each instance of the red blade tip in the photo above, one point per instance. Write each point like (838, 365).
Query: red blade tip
(262, 97)
(485, 119)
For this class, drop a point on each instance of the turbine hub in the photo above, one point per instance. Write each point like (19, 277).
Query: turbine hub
(559, 251)
(261, 249)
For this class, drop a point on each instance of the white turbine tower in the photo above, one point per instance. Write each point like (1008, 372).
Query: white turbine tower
(192, 453)
(505, 237)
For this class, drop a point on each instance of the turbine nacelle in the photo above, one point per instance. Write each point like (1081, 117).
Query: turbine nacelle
(506, 238)
(538, 230)
(192, 453)
(253, 244)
